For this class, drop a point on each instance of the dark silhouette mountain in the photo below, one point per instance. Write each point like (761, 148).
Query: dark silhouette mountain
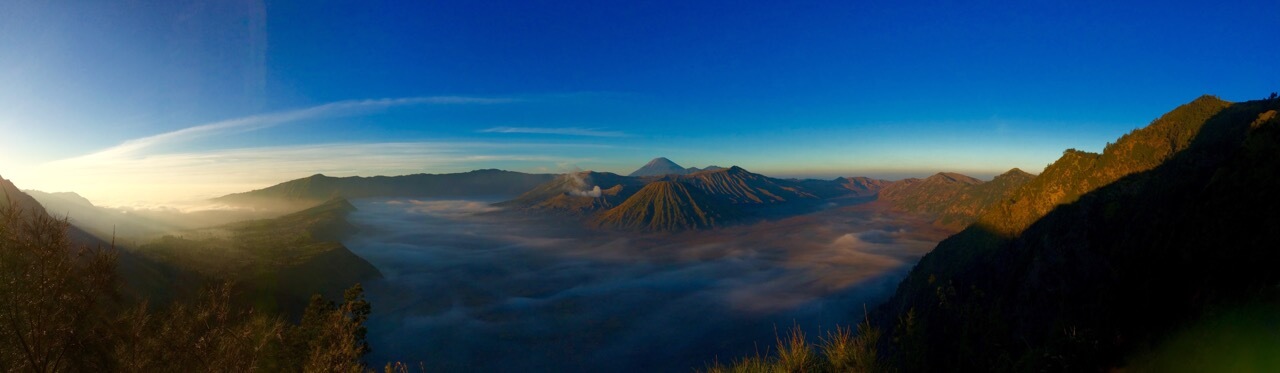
(10, 195)
(319, 188)
(579, 193)
(953, 199)
(658, 167)
(667, 206)
(280, 261)
(1103, 258)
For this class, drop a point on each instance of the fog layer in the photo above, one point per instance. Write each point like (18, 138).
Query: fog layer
(471, 288)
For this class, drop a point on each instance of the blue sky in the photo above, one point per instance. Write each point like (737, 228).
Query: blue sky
(888, 89)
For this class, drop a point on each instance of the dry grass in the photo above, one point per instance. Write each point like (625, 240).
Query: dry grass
(839, 350)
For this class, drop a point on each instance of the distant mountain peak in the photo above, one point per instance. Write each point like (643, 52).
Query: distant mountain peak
(658, 167)
(660, 160)
(1016, 172)
(952, 177)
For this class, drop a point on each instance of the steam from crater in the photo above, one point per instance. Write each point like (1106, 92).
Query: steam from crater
(593, 193)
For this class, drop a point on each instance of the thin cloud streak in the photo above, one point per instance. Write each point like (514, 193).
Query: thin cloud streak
(178, 178)
(569, 131)
(256, 122)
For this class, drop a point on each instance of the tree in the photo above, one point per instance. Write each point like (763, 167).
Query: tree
(331, 336)
(60, 311)
(52, 295)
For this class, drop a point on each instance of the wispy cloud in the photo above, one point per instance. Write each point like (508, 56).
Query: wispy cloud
(255, 122)
(174, 178)
(151, 169)
(568, 131)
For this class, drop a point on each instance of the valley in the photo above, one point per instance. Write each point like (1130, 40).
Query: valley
(639, 186)
(464, 282)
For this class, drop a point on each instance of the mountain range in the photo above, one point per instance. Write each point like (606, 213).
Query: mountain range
(953, 199)
(662, 166)
(279, 262)
(699, 200)
(300, 193)
(605, 199)
(1104, 260)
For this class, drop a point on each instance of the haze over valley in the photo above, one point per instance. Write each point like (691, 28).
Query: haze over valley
(575, 186)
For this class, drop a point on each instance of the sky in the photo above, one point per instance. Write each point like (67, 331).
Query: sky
(144, 102)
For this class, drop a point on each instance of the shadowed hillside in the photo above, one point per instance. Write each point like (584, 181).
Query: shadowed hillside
(10, 195)
(141, 277)
(1101, 259)
(1079, 172)
(287, 258)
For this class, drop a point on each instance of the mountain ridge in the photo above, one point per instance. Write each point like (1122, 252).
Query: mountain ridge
(1158, 232)
(319, 188)
(953, 199)
(665, 206)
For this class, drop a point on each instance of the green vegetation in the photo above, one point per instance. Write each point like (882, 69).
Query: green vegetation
(1104, 256)
(953, 199)
(1079, 172)
(283, 260)
(61, 312)
(1156, 255)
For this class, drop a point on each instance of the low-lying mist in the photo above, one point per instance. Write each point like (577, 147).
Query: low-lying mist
(470, 288)
(131, 226)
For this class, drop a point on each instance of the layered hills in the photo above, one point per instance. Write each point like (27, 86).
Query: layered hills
(702, 199)
(108, 223)
(953, 199)
(319, 188)
(280, 262)
(1103, 259)
(844, 187)
(141, 277)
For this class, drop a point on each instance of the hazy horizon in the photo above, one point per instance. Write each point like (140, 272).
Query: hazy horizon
(133, 104)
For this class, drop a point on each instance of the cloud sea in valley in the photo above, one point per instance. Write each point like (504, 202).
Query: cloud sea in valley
(469, 286)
